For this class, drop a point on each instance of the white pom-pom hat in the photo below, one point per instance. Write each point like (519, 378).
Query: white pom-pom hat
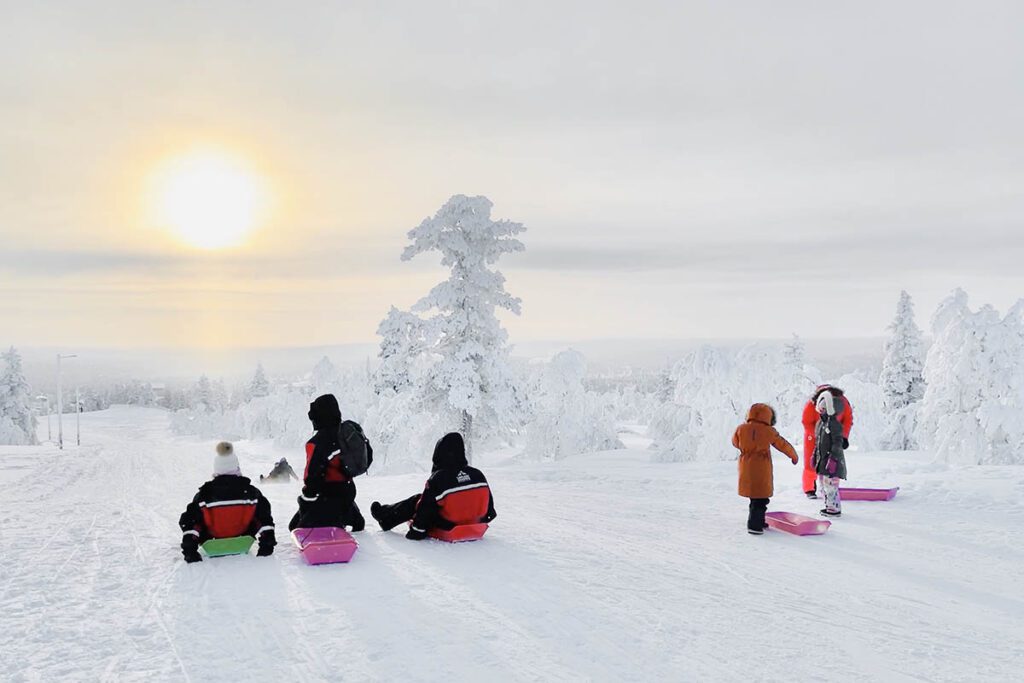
(225, 462)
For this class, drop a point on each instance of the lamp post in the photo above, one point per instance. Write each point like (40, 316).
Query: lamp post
(60, 401)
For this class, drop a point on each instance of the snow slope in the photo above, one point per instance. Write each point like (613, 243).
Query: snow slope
(601, 567)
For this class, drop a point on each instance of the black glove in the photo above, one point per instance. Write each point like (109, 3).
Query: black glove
(267, 543)
(846, 443)
(190, 548)
(309, 495)
(414, 535)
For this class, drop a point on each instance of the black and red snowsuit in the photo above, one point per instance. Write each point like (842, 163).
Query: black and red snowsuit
(328, 494)
(226, 506)
(455, 494)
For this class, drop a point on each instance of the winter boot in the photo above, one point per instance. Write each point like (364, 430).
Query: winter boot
(755, 532)
(375, 509)
(811, 495)
(830, 513)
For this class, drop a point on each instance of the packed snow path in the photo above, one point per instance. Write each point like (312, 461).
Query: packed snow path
(602, 567)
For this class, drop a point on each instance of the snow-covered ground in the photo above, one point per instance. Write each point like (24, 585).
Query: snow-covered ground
(600, 567)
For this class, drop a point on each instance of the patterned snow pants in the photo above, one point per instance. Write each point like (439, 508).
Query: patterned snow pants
(829, 487)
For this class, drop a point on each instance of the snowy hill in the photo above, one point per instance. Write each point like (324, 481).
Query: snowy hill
(599, 567)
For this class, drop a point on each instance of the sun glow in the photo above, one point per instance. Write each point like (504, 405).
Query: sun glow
(209, 199)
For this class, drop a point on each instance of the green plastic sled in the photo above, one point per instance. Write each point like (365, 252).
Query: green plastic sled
(236, 545)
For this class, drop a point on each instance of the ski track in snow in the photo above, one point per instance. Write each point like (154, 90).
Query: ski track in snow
(600, 567)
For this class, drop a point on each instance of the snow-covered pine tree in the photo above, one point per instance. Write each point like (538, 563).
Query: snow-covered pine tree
(568, 419)
(259, 386)
(401, 343)
(796, 385)
(17, 421)
(472, 377)
(202, 394)
(902, 378)
(325, 377)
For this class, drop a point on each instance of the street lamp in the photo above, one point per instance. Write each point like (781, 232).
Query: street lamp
(60, 401)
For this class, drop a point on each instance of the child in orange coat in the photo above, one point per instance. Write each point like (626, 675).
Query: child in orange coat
(755, 439)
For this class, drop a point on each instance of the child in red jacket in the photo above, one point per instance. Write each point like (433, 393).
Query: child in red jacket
(454, 494)
(226, 506)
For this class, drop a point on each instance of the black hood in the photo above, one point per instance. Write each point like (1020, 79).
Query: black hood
(324, 412)
(450, 452)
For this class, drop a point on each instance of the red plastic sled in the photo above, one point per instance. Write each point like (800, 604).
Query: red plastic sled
(868, 494)
(325, 545)
(463, 532)
(799, 525)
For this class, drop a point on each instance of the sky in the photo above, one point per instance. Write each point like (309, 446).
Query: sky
(684, 170)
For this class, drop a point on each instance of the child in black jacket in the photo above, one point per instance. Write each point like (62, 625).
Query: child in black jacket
(226, 506)
(328, 494)
(455, 494)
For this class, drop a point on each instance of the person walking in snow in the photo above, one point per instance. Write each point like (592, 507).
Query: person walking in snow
(328, 495)
(226, 506)
(811, 418)
(829, 454)
(455, 494)
(755, 439)
(281, 471)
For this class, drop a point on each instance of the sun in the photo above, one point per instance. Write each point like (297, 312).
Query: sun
(210, 199)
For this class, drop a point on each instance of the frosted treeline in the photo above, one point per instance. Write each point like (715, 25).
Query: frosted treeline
(446, 365)
(973, 407)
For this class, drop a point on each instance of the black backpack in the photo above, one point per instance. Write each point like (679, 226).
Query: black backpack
(356, 454)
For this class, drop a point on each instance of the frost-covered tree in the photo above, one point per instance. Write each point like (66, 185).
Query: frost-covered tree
(325, 377)
(973, 406)
(259, 386)
(17, 421)
(902, 378)
(402, 342)
(796, 381)
(471, 379)
(202, 394)
(568, 419)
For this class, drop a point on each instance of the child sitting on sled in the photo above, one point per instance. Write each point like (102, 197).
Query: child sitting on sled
(755, 439)
(455, 494)
(829, 455)
(328, 497)
(226, 506)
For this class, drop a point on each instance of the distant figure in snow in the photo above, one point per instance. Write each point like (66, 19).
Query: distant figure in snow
(226, 506)
(455, 494)
(811, 417)
(328, 494)
(755, 439)
(282, 471)
(829, 454)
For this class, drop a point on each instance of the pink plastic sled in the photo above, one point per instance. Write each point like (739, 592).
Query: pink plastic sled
(867, 494)
(325, 545)
(463, 532)
(799, 525)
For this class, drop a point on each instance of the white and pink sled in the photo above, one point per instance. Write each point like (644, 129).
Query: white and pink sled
(867, 494)
(795, 524)
(325, 545)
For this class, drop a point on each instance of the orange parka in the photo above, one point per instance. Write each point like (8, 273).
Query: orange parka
(755, 439)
